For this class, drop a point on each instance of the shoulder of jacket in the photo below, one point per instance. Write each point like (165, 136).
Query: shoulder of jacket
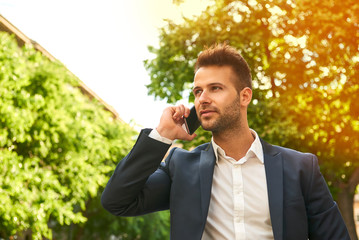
(197, 149)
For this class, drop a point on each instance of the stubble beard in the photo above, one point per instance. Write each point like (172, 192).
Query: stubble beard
(229, 119)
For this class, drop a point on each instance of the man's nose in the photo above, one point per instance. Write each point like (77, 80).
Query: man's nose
(204, 98)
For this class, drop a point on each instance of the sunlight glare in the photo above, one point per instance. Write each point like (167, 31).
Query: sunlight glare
(176, 13)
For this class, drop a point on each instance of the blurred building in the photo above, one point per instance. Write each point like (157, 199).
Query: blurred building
(22, 39)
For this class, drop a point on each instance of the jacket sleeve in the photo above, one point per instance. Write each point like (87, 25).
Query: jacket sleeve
(138, 186)
(324, 218)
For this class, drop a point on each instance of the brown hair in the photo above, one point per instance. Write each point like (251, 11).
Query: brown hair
(225, 55)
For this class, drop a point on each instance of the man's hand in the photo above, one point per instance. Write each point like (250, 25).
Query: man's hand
(171, 123)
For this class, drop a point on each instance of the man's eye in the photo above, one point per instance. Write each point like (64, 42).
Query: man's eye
(197, 92)
(216, 88)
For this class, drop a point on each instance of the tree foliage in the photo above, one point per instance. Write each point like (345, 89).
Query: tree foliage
(237, 23)
(57, 146)
(327, 92)
(328, 81)
(304, 60)
(102, 225)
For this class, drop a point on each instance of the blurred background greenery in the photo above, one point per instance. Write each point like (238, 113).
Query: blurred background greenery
(58, 147)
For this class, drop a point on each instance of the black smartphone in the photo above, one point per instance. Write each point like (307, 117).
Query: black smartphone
(192, 122)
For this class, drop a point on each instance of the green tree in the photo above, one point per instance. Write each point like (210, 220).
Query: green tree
(102, 225)
(237, 23)
(304, 65)
(57, 147)
(324, 76)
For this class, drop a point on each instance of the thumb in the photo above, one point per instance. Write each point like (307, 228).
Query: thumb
(189, 137)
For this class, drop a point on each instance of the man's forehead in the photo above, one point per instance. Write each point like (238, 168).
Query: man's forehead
(212, 74)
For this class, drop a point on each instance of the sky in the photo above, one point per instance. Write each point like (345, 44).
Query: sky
(104, 43)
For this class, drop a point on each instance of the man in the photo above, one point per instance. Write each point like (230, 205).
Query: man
(237, 186)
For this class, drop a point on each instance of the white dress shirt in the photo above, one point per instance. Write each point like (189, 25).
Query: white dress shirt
(239, 206)
(239, 201)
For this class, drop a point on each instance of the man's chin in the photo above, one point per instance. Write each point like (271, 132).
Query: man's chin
(207, 125)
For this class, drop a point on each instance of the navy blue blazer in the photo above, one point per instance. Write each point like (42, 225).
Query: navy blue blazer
(300, 203)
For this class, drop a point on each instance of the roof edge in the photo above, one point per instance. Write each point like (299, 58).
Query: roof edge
(22, 39)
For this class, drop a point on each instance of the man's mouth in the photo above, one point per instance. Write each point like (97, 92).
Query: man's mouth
(207, 112)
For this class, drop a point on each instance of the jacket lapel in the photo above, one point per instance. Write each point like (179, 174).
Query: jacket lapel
(273, 164)
(206, 168)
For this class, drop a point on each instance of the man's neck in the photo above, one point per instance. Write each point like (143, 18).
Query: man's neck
(235, 143)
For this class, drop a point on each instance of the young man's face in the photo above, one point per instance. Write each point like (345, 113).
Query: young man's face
(217, 100)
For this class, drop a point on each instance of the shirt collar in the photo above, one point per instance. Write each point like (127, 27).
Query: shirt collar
(255, 148)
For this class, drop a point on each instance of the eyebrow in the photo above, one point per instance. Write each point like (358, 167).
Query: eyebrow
(195, 88)
(211, 84)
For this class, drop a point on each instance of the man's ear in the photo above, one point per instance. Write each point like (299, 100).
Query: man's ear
(246, 96)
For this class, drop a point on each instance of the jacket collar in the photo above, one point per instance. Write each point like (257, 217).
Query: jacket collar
(206, 168)
(273, 164)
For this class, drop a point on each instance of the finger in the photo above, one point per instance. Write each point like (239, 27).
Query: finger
(190, 137)
(179, 111)
(187, 112)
